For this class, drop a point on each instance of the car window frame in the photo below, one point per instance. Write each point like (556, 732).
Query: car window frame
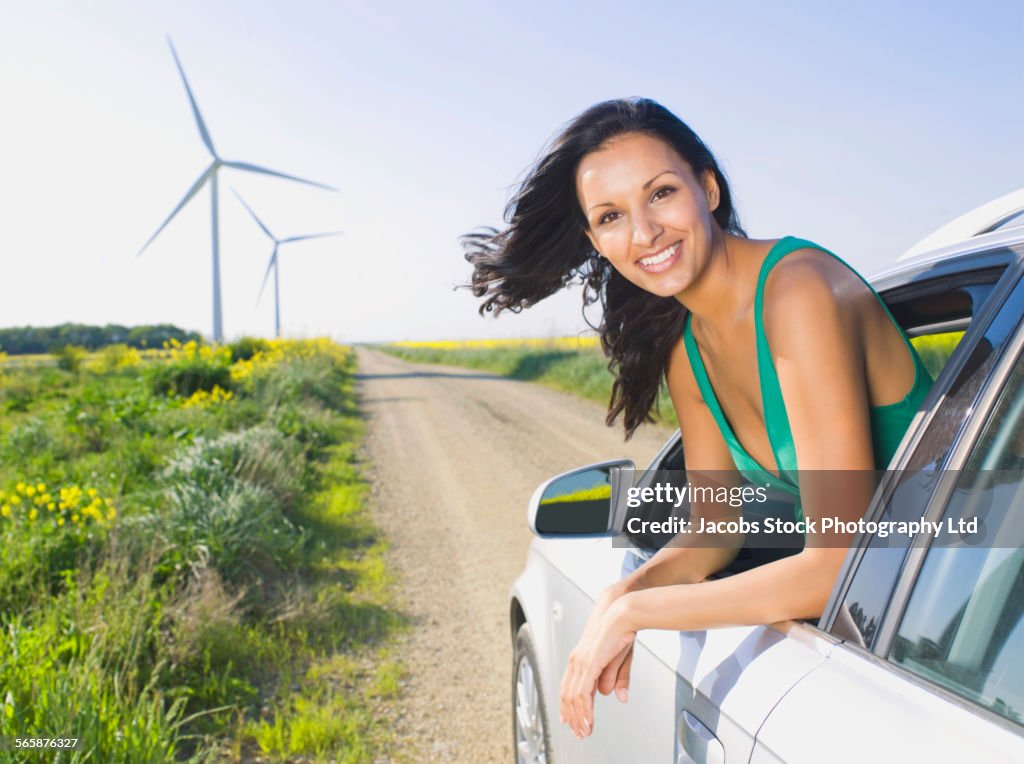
(967, 440)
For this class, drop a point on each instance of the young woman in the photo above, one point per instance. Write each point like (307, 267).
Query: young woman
(775, 354)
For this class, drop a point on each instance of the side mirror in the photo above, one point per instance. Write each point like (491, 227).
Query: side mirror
(584, 502)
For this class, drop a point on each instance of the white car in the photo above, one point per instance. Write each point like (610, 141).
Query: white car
(919, 655)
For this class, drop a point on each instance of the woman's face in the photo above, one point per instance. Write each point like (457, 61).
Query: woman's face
(647, 212)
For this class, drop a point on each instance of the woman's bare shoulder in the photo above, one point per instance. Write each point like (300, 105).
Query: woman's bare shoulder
(812, 298)
(811, 285)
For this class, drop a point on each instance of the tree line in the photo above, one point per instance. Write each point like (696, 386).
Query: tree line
(46, 339)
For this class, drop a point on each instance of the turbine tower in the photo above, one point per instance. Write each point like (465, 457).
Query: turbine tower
(272, 264)
(209, 175)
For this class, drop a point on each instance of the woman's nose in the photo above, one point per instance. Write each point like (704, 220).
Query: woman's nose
(645, 230)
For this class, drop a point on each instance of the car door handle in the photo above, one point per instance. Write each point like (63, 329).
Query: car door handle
(556, 612)
(698, 744)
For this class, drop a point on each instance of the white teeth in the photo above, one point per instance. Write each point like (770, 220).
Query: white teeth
(665, 255)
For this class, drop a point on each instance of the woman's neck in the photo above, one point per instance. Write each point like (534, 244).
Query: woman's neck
(716, 299)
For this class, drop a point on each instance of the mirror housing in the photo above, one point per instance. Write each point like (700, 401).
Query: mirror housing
(584, 502)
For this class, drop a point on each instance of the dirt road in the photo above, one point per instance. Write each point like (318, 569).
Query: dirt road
(454, 456)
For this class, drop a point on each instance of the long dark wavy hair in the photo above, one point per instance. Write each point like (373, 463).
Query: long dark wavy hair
(545, 248)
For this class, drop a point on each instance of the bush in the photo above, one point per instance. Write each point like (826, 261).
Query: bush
(69, 357)
(114, 357)
(247, 347)
(192, 367)
(226, 501)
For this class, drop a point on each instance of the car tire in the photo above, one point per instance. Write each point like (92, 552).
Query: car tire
(531, 739)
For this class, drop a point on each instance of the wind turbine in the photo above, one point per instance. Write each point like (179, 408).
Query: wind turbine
(272, 265)
(210, 175)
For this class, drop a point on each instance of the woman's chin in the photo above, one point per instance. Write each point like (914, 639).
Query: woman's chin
(667, 286)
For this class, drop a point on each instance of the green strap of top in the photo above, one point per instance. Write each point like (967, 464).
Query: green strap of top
(888, 423)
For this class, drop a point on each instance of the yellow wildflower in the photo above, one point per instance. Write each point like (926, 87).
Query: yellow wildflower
(33, 514)
(5, 510)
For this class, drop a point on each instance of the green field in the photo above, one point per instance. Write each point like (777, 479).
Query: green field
(579, 367)
(187, 568)
(574, 367)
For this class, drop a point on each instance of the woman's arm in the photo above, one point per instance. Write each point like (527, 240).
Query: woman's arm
(794, 587)
(689, 558)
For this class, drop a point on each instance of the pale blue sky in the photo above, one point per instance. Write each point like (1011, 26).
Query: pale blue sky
(862, 126)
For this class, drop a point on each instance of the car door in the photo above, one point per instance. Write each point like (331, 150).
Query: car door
(929, 669)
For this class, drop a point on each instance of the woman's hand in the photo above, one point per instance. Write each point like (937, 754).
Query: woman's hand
(603, 650)
(616, 674)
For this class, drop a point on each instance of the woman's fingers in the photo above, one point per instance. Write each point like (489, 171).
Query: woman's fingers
(608, 679)
(622, 681)
(571, 709)
(563, 694)
(592, 666)
(574, 696)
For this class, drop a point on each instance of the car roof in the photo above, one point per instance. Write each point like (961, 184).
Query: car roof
(1007, 211)
(997, 248)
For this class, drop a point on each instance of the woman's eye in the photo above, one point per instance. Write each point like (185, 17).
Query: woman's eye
(661, 193)
(607, 217)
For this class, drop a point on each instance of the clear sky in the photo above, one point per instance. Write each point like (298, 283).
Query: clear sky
(863, 126)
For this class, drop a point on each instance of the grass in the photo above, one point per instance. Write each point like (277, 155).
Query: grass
(577, 366)
(566, 364)
(191, 576)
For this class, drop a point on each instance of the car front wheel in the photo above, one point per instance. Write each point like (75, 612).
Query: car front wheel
(529, 717)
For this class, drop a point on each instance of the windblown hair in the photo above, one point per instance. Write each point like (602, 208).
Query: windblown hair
(545, 248)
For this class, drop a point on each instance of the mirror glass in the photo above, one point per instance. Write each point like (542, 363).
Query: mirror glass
(577, 503)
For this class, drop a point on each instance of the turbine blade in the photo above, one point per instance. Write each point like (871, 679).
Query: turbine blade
(264, 171)
(191, 192)
(203, 132)
(254, 217)
(270, 265)
(311, 236)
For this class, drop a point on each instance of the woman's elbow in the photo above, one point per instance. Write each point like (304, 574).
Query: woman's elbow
(816, 570)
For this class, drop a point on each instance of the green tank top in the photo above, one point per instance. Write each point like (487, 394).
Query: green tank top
(888, 423)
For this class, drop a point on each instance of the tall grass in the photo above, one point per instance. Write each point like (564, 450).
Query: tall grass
(237, 585)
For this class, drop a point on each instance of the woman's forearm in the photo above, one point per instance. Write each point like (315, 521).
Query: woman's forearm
(678, 565)
(794, 587)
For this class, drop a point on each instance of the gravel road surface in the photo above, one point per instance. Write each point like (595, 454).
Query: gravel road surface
(454, 456)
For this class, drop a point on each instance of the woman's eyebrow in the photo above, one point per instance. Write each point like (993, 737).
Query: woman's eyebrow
(645, 186)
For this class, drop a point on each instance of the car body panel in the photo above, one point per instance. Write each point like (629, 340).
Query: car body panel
(853, 708)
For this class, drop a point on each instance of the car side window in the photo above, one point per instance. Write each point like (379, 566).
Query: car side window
(963, 627)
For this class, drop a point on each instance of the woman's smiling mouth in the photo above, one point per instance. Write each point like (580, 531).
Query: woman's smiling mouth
(661, 260)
